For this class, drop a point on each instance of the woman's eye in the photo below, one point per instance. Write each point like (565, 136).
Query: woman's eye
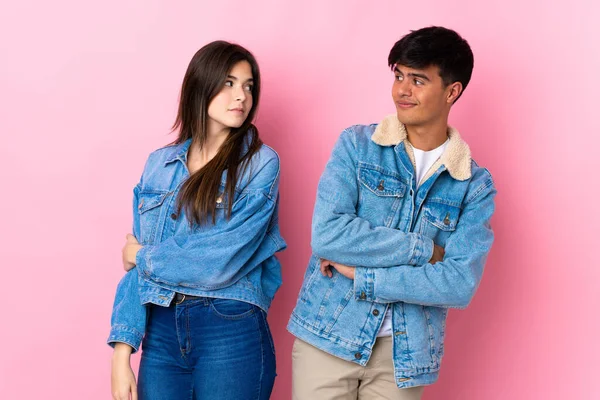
(229, 83)
(248, 88)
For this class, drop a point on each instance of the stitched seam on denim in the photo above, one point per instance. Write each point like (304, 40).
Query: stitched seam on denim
(398, 193)
(416, 249)
(385, 171)
(236, 317)
(274, 239)
(177, 331)
(262, 355)
(339, 309)
(479, 192)
(322, 334)
(362, 328)
(309, 283)
(352, 133)
(439, 200)
(405, 336)
(125, 328)
(270, 195)
(188, 331)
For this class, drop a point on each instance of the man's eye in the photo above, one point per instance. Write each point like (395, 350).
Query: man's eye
(418, 82)
(399, 77)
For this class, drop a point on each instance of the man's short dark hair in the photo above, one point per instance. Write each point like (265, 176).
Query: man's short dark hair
(435, 46)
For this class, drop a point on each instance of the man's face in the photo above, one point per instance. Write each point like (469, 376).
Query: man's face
(420, 96)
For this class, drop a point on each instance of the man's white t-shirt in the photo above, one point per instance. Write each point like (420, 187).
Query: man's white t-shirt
(423, 161)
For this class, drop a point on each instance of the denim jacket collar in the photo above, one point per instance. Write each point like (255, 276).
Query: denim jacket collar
(179, 152)
(456, 158)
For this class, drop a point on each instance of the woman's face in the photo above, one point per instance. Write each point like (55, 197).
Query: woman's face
(230, 108)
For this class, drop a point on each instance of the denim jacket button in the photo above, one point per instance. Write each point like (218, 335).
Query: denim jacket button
(358, 356)
(363, 296)
(375, 312)
(174, 216)
(447, 219)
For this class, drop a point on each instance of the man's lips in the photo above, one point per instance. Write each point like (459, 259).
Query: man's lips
(402, 104)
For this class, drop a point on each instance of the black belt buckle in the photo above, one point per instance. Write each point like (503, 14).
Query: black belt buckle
(179, 298)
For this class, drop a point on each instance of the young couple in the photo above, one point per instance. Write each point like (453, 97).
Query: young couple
(400, 233)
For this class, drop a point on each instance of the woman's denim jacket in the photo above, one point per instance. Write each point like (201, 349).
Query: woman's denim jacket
(233, 259)
(370, 214)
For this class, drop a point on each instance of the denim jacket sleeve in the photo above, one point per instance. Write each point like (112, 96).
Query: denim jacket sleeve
(128, 320)
(450, 283)
(219, 256)
(339, 235)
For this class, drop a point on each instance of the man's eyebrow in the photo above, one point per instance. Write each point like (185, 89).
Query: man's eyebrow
(417, 75)
(424, 77)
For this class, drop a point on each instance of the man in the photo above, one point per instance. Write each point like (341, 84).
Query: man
(401, 232)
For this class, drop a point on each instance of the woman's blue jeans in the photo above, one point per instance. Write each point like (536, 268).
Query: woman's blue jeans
(207, 348)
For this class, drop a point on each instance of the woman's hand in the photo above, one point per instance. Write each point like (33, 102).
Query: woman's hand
(122, 379)
(345, 270)
(132, 246)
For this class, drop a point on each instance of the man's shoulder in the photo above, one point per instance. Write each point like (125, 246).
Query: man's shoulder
(481, 181)
(361, 130)
(360, 135)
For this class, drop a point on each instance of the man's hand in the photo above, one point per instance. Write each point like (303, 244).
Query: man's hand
(132, 246)
(122, 380)
(345, 270)
(438, 254)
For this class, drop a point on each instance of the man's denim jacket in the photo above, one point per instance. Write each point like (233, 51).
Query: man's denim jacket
(370, 214)
(233, 259)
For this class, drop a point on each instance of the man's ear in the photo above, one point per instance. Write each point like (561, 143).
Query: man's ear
(453, 91)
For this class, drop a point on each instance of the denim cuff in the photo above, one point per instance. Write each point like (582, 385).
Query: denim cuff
(364, 284)
(422, 250)
(141, 259)
(125, 334)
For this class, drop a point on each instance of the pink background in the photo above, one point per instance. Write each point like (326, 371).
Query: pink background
(88, 89)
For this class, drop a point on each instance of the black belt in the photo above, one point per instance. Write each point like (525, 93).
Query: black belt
(180, 298)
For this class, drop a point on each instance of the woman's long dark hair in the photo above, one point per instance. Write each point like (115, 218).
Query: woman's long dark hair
(204, 79)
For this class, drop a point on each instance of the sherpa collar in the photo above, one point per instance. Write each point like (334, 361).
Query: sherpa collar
(456, 158)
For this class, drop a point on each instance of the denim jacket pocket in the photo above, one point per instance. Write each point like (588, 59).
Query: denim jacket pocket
(231, 309)
(439, 221)
(380, 195)
(381, 182)
(312, 273)
(436, 322)
(149, 208)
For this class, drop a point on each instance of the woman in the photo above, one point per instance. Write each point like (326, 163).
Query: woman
(201, 265)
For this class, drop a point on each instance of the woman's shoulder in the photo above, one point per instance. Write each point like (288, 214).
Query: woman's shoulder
(267, 155)
(170, 152)
(262, 170)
